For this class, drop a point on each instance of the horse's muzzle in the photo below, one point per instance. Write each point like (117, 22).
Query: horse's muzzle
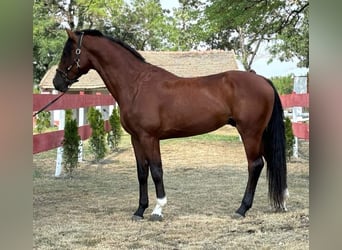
(61, 82)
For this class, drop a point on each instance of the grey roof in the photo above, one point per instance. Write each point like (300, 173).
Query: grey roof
(185, 64)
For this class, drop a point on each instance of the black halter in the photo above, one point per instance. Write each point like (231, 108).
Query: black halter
(76, 62)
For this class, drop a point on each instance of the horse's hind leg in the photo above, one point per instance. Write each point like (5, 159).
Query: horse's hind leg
(252, 144)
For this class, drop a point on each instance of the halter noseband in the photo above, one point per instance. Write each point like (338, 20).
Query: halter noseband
(76, 62)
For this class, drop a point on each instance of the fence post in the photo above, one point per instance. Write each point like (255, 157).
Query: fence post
(54, 113)
(299, 87)
(296, 112)
(110, 111)
(59, 158)
(80, 123)
(99, 108)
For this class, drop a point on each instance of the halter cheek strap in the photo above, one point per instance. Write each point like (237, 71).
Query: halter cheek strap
(78, 51)
(76, 62)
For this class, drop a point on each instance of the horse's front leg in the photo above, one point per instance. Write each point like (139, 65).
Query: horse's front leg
(142, 171)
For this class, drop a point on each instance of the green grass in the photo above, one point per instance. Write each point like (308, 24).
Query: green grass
(46, 130)
(215, 138)
(209, 137)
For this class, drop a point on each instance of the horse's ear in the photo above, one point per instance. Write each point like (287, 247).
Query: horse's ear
(71, 34)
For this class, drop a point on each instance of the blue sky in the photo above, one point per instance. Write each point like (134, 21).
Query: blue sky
(276, 68)
(169, 4)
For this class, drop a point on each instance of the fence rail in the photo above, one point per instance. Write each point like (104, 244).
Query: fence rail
(300, 129)
(295, 100)
(71, 101)
(51, 140)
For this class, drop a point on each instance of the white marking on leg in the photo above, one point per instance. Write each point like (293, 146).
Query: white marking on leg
(286, 196)
(159, 207)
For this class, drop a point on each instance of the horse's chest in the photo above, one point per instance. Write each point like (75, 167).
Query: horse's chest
(130, 121)
(136, 122)
(126, 122)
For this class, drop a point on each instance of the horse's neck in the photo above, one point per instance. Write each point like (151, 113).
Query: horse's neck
(119, 70)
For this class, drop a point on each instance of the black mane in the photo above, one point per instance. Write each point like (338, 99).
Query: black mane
(91, 32)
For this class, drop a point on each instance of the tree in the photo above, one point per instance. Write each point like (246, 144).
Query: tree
(244, 25)
(290, 140)
(241, 25)
(284, 84)
(97, 138)
(50, 17)
(293, 39)
(188, 28)
(70, 143)
(43, 121)
(146, 25)
(114, 135)
(48, 38)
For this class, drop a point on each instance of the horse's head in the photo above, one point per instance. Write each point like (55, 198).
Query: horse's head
(73, 63)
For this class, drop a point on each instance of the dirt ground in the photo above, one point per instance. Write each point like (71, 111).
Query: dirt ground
(204, 177)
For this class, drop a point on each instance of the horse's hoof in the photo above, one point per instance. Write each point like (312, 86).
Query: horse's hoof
(280, 210)
(237, 216)
(156, 217)
(137, 218)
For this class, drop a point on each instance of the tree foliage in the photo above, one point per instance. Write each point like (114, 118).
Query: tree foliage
(70, 143)
(188, 21)
(43, 121)
(283, 84)
(241, 25)
(290, 140)
(114, 135)
(48, 38)
(97, 139)
(293, 40)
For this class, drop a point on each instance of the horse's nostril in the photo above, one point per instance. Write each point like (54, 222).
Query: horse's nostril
(59, 83)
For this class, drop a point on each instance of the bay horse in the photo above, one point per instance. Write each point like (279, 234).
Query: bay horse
(156, 104)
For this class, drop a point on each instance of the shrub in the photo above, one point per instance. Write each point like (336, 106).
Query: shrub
(290, 140)
(43, 121)
(70, 143)
(283, 84)
(97, 138)
(114, 135)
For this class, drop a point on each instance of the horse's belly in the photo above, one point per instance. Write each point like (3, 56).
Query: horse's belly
(192, 126)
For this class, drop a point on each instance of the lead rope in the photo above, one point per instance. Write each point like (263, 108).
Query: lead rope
(49, 104)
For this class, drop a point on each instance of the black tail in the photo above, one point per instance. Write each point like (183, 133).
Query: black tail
(274, 152)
